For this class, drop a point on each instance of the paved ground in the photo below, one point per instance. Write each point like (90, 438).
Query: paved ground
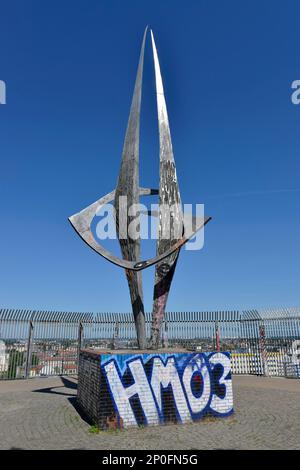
(40, 414)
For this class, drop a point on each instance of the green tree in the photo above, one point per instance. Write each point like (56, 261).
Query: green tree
(16, 358)
(34, 360)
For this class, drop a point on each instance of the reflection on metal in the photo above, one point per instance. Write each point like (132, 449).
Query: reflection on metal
(169, 196)
(128, 185)
(168, 248)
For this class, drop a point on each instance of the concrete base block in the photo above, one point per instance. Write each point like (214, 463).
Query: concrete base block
(119, 389)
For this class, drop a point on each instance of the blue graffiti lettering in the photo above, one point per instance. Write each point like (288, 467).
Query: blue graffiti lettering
(156, 388)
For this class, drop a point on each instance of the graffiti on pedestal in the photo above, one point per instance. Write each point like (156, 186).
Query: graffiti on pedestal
(151, 389)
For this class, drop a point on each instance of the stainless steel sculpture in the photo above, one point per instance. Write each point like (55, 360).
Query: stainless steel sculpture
(172, 233)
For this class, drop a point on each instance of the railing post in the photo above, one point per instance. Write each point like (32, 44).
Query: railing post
(217, 336)
(29, 350)
(79, 342)
(164, 337)
(262, 349)
(116, 335)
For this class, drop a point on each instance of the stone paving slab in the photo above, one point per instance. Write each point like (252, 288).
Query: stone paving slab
(41, 414)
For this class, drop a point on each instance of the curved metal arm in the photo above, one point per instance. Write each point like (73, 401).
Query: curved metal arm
(81, 222)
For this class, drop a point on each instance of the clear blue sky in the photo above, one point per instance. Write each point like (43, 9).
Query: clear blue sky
(227, 67)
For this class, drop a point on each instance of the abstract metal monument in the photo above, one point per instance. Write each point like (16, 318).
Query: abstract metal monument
(170, 212)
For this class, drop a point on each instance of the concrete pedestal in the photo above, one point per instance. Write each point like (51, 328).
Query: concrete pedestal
(119, 389)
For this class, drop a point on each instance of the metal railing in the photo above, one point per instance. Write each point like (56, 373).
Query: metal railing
(43, 343)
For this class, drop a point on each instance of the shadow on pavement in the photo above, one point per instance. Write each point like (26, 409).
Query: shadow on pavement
(66, 383)
(73, 401)
(69, 384)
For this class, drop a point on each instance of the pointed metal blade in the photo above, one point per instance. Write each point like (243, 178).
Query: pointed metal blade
(170, 226)
(128, 186)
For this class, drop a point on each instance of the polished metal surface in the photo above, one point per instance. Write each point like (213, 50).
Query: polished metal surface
(169, 196)
(128, 185)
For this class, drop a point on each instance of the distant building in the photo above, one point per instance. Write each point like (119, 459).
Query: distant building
(4, 357)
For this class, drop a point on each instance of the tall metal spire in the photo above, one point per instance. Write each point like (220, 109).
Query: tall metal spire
(170, 210)
(127, 194)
